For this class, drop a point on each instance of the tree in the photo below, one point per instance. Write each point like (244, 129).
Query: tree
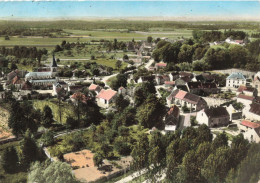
(29, 150)
(98, 159)
(9, 159)
(121, 80)
(56, 172)
(220, 140)
(57, 48)
(239, 149)
(13, 66)
(121, 103)
(26, 118)
(217, 165)
(47, 117)
(186, 53)
(125, 57)
(140, 152)
(142, 92)
(47, 138)
(149, 39)
(151, 112)
(118, 64)
(71, 123)
(248, 170)
(80, 101)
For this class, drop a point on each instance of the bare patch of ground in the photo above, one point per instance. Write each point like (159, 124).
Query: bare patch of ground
(5, 132)
(86, 170)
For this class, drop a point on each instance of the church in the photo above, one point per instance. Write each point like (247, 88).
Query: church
(45, 76)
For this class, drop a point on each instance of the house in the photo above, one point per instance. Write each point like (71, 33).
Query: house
(19, 73)
(168, 84)
(160, 65)
(181, 87)
(75, 88)
(254, 112)
(235, 80)
(250, 130)
(105, 98)
(172, 119)
(182, 81)
(256, 81)
(95, 88)
(233, 113)
(245, 100)
(186, 74)
(78, 97)
(146, 79)
(249, 91)
(232, 41)
(17, 82)
(58, 85)
(213, 117)
(122, 91)
(26, 86)
(173, 76)
(182, 98)
(160, 79)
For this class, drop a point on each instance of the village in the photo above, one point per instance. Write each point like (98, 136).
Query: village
(224, 100)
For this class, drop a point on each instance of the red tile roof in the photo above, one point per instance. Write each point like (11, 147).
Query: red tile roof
(245, 97)
(181, 94)
(161, 64)
(106, 94)
(174, 110)
(244, 88)
(93, 87)
(169, 82)
(250, 124)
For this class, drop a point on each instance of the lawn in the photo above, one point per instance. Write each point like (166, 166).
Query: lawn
(53, 104)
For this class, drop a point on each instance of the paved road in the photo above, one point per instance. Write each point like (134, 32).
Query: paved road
(149, 63)
(106, 78)
(132, 176)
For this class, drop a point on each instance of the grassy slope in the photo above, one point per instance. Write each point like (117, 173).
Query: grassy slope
(66, 109)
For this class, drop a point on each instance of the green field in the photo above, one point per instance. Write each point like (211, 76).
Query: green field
(86, 36)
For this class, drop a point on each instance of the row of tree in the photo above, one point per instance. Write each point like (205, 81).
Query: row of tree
(192, 156)
(211, 58)
(211, 36)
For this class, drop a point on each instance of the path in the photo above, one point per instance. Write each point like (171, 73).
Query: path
(106, 78)
(149, 63)
(132, 176)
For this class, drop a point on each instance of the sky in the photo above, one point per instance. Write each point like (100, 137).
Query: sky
(73, 9)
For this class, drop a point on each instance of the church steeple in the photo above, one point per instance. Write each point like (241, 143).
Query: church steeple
(53, 63)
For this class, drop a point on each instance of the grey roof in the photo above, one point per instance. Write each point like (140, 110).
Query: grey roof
(38, 74)
(43, 81)
(236, 75)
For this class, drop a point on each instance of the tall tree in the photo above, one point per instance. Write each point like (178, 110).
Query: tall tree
(151, 112)
(56, 172)
(47, 116)
(9, 159)
(29, 150)
(217, 165)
